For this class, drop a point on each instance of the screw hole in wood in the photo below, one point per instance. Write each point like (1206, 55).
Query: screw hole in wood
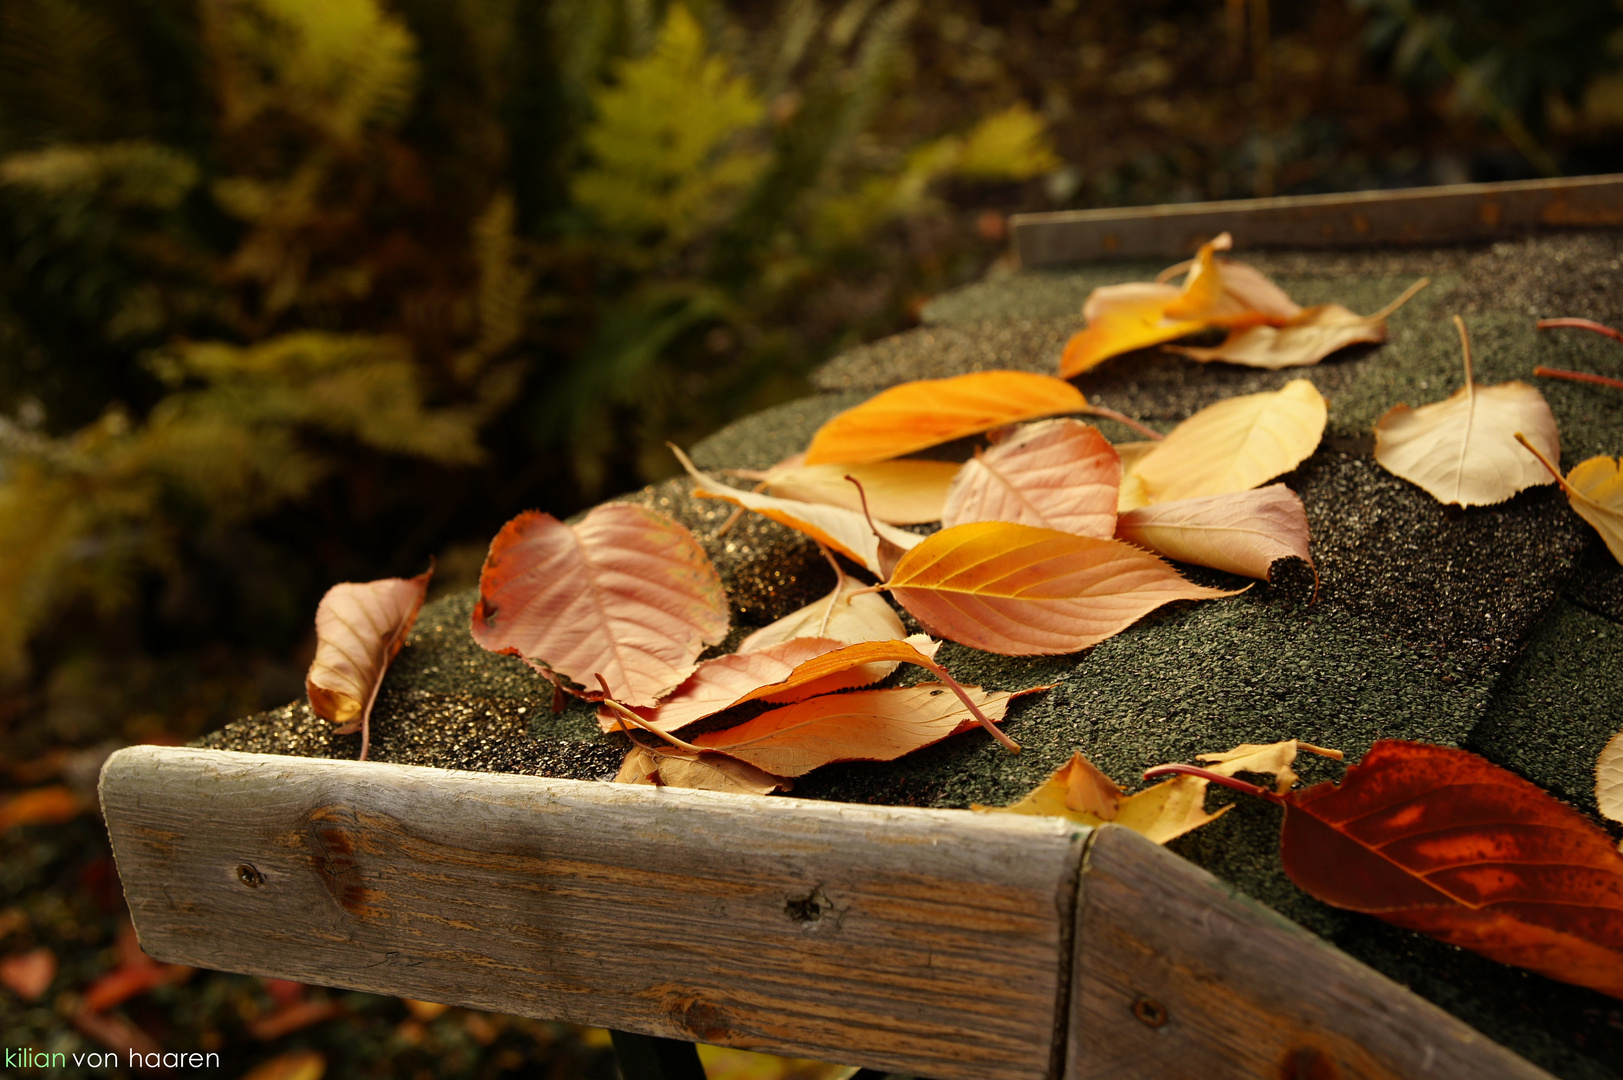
(1150, 1012)
(250, 876)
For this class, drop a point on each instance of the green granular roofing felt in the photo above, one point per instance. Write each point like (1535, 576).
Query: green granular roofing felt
(1494, 628)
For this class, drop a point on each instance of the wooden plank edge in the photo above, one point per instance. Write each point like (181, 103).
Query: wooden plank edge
(1445, 214)
(1177, 975)
(935, 942)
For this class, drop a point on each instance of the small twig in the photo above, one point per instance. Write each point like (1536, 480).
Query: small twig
(1214, 777)
(1578, 376)
(1580, 324)
(1123, 418)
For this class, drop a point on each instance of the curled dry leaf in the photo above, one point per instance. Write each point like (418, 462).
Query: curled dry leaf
(907, 492)
(627, 594)
(772, 674)
(1080, 792)
(1057, 474)
(1232, 445)
(359, 629)
(848, 614)
(1595, 490)
(1609, 778)
(847, 532)
(1311, 335)
(1273, 759)
(1243, 532)
(916, 415)
(1463, 450)
(1215, 292)
(864, 725)
(1024, 591)
(670, 766)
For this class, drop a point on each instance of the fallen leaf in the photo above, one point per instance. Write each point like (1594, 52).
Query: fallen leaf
(52, 805)
(294, 1065)
(116, 1033)
(1057, 474)
(905, 492)
(1463, 450)
(1081, 793)
(1243, 532)
(848, 614)
(1274, 759)
(359, 629)
(1309, 336)
(1447, 843)
(29, 974)
(674, 767)
(847, 532)
(135, 974)
(294, 1016)
(1609, 779)
(1019, 590)
(1595, 490)
(1136, 315)
(927, 412)
(425, 1011)
(627, 594)
(864, 725)
(1232, 445)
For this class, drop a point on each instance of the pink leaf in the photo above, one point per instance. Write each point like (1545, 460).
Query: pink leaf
(627, 594)
(1243, 532)
(1058, 474)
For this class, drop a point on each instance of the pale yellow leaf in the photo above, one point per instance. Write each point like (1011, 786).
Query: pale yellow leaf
(1595, 490)
(1233, 445)
(846, 614)
(671, 766)
(1274, 759)
(904, 492)
(1609, 779)
(1243, 532)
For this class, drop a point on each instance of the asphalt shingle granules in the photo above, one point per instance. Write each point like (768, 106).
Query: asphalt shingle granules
(1495, 628)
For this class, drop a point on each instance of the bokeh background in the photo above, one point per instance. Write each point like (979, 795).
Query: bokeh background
(295, 292)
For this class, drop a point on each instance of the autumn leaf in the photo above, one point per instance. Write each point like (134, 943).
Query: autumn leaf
(1232, 445)
(927, 412)
(1274, 759)
(1019, 590)
(1463, 450)
(1447, 843)
(1081, 793)
(1595, 490)
(849, 614)
(907, 492)
(29, 974)
(1057, 474)
(1307, 338)
(50, 805)
(359, 629)
(627, 594)
(136, 974)
(846, 531)
(1609, 779)
(294, 1065)
(1136, 315)
(1243, 532)
(674, 767)
(767, 673)
(864, 725)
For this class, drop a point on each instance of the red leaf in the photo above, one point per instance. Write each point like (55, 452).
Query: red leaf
(29, 974)
(1447, 843)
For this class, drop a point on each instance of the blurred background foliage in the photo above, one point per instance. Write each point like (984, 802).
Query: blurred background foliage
(301, 291)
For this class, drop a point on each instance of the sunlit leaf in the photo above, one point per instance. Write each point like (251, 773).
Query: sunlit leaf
(905, 492)
(1081, 793)
(1595, 489)
(1057, 474)
(846, 614)
(670, 766)
(1243, 532)
(1307, 338)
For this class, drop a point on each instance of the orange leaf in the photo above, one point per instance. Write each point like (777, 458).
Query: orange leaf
(1057, 474)
(627, 594)
(51, 805)
(928, 412)
(1025, 591)
(864, 725)
(359, 629)
(294, 1065)
(29, 974)
(1243, 532)
(1079, 792)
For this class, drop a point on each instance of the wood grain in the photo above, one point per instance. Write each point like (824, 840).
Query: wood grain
(935, 942)
(1435, 215)
(1177, 976)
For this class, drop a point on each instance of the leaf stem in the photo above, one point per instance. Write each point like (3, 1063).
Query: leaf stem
(1404, 298)
(1580, 324)
(1214, 777)
(952, 684)
(1465, 344)
(627, 716)
(1123, 418)
(1578, 376)
(1555, 472)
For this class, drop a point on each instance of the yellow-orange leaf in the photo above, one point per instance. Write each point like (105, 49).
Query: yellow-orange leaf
(846, 531)
(670, 766)
(1080, 792)
(928, 412)
(1233, 445)
(1243, 532)
(907, 492)
(1274, 759)
(1130, 317)
(1025, 591)
(864, 725)
(1595, 489)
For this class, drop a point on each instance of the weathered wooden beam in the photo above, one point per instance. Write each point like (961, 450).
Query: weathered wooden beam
(1436, 215)
(935, 942)
(1178, 977)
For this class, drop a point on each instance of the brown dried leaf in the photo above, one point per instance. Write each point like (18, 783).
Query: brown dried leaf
(678, 768)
